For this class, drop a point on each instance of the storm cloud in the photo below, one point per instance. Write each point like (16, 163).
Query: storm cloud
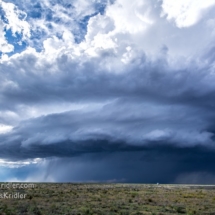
(126, 88)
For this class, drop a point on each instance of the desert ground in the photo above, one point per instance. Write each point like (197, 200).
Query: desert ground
(107, 199)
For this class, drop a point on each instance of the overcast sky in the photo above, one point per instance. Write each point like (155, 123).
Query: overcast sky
(107, 91)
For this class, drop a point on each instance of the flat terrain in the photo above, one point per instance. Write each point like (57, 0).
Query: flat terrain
(104, 199)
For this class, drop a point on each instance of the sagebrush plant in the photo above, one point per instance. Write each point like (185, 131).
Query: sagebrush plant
(111, 199)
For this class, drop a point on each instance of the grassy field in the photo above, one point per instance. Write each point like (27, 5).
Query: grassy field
(108, 199)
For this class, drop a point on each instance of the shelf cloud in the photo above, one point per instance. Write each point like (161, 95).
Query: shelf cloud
(111, 85)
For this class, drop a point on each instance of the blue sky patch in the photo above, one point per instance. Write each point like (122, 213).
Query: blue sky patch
(20, 173)
(16, 41)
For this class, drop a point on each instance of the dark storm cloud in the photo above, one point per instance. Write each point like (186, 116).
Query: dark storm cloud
(149, 164)
(118, 126)
(149, 103)
(24, 81)
(108, 103)
(146, 103)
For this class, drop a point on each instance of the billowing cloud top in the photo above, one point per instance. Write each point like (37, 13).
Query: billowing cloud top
(96, 76)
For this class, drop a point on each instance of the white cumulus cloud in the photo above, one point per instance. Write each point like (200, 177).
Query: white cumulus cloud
(186, 13)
